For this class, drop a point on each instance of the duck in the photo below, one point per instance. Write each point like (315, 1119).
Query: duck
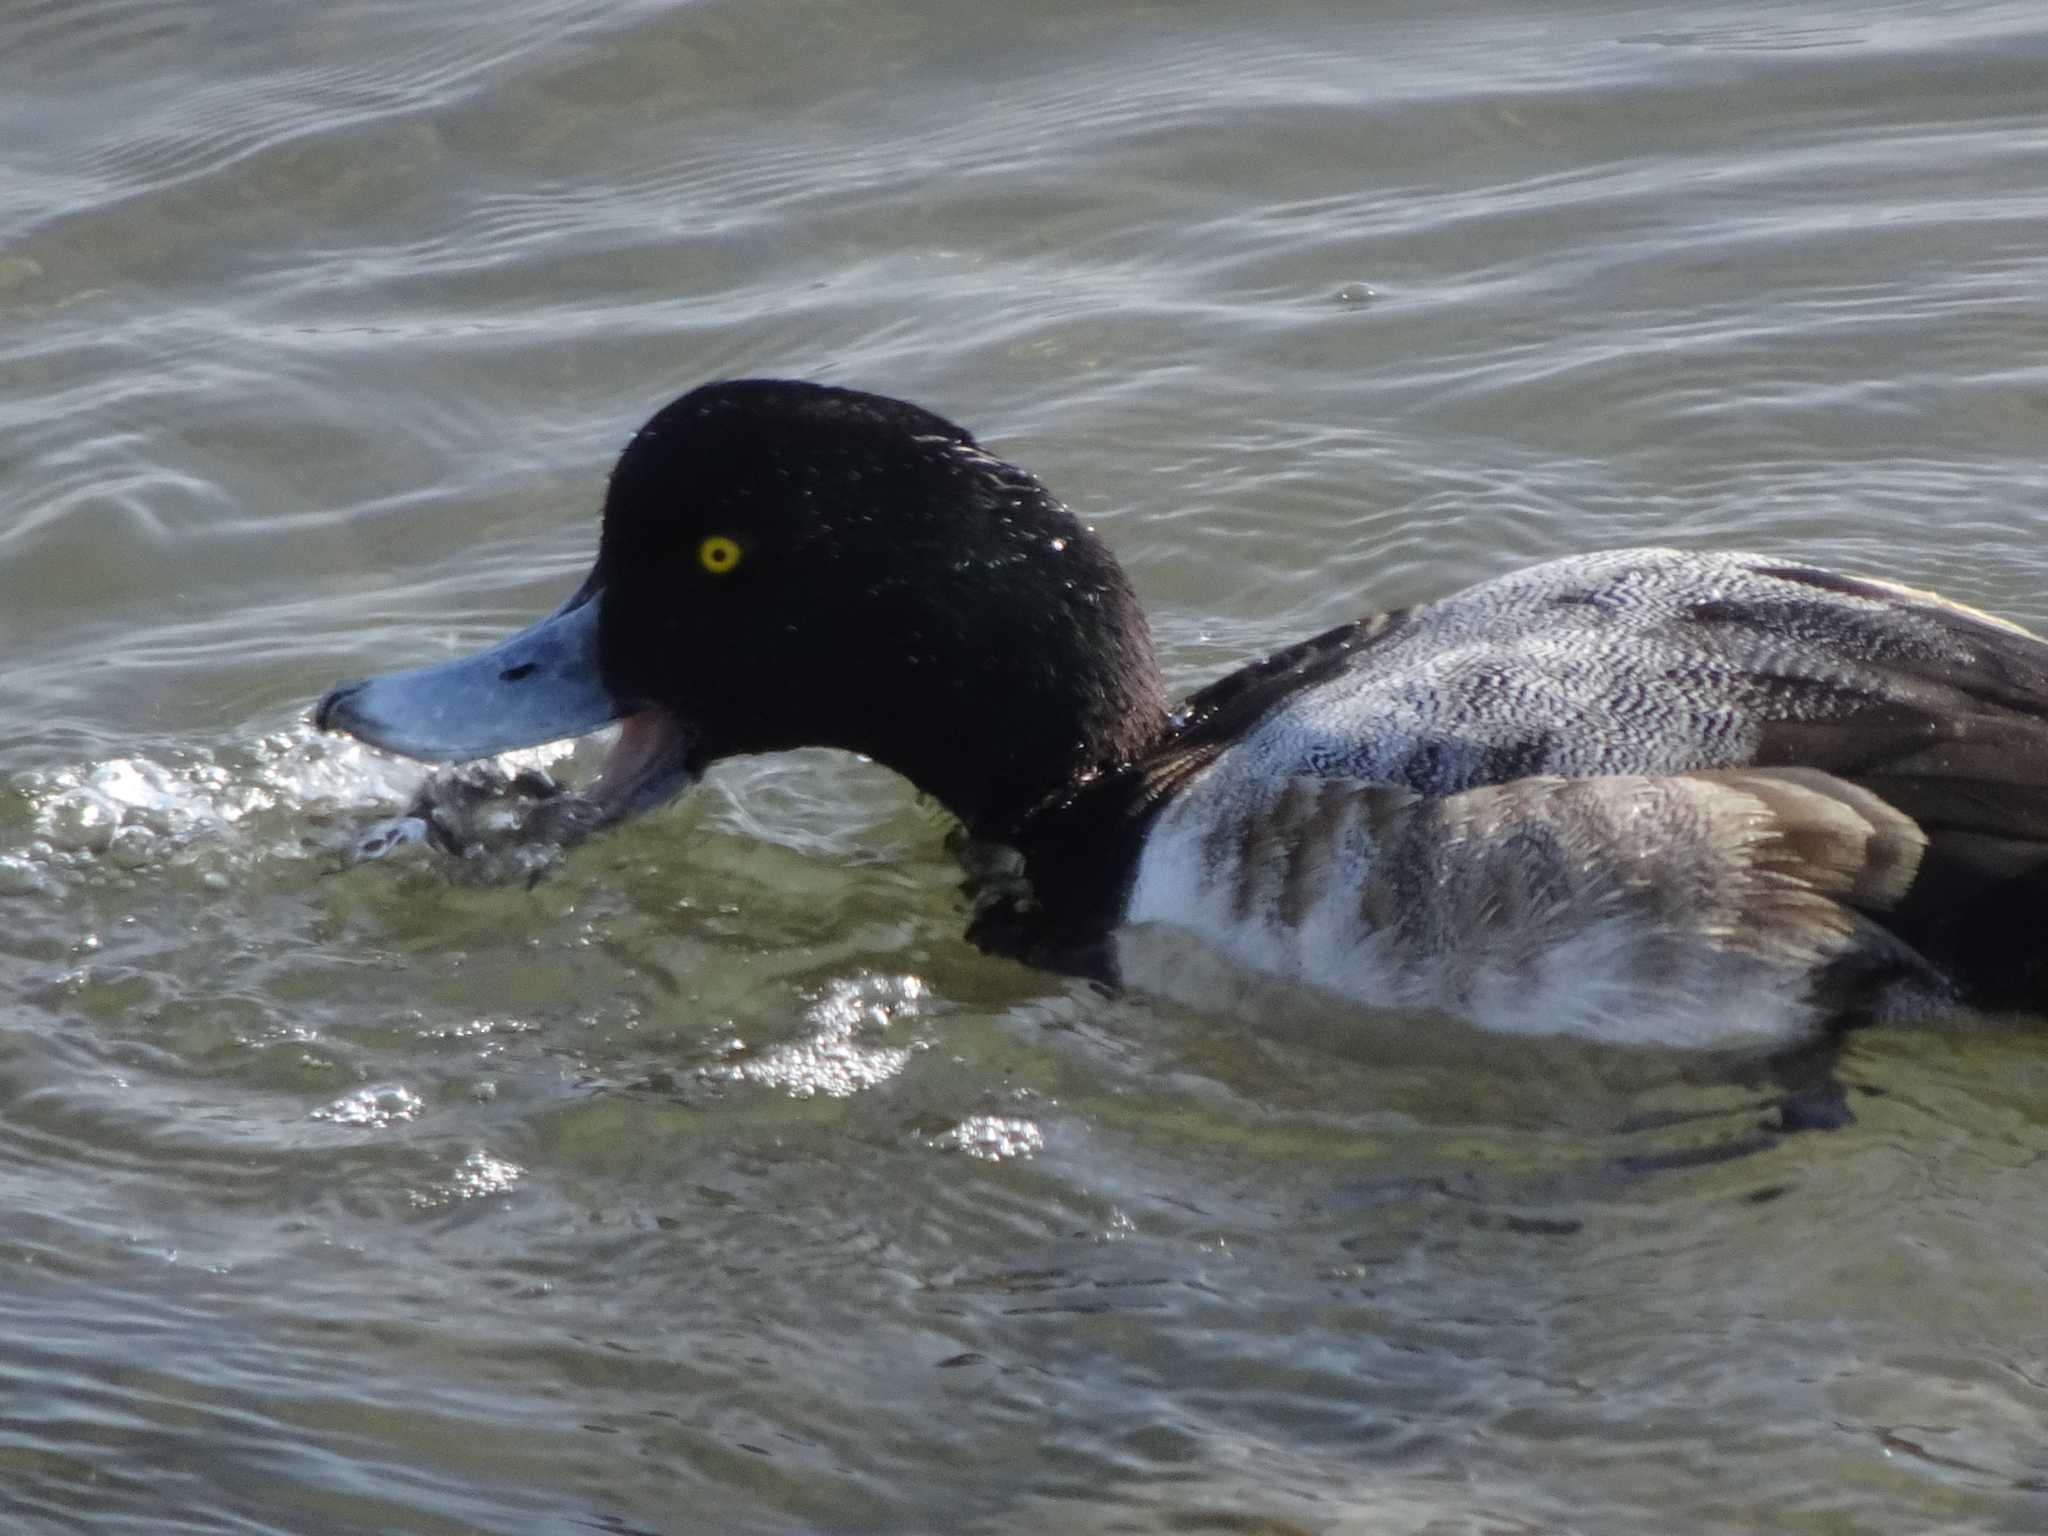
(1658, 796)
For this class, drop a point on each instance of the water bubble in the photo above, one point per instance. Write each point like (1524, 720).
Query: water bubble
(844, 1053)
(79, 823)
(20, 876)
(132, 846)
(482, 1174)
(243, 803)
(994, 1138)
(373, 1108)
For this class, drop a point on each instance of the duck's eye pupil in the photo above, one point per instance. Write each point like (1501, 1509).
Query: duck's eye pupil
(718, 554)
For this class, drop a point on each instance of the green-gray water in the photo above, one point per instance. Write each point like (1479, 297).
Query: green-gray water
(714, 1183)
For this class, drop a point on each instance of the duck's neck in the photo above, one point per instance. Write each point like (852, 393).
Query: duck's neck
(1063, 684)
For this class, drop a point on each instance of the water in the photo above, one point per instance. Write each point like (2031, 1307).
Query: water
(713, 1183)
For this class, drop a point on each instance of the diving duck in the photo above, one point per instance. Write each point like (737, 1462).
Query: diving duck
(1645, 795)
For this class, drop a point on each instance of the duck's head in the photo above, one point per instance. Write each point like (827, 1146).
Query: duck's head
(786, 565)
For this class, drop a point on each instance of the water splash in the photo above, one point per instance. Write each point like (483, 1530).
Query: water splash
(994, 1138)
(844, 1053)
(483, 1174)
(374, 1109)
(478, 1176)
(291, 794)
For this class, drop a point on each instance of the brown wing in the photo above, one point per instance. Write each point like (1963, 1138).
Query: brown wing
(1960, 745)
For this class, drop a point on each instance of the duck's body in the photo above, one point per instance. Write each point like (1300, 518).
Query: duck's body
(1639, 795)
(1613, 795)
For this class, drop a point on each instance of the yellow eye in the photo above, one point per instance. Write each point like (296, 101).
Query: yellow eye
(718, 554)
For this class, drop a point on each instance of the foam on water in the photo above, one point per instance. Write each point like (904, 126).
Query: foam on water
(289, 795)
(844, 1050)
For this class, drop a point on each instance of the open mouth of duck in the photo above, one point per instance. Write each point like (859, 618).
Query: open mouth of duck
(540, 685)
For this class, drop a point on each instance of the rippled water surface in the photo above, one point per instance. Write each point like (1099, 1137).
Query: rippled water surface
(713, 1182)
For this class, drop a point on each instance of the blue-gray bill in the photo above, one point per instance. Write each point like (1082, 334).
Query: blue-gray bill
(540, 685)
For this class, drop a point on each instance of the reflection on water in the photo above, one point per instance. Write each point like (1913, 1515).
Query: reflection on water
(709, 1180)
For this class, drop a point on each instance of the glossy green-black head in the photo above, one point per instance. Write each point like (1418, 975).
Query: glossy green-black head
(785, 565)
